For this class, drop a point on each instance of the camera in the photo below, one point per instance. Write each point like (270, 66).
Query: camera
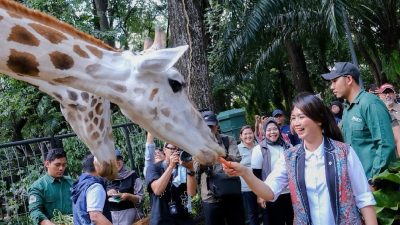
(173, 209)
(184, 156)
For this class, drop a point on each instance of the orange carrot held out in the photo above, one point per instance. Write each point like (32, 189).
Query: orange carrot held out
(224, 162)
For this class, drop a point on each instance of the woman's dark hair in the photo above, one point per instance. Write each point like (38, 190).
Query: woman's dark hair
(340, 105)
(314, 108)
(245, 127)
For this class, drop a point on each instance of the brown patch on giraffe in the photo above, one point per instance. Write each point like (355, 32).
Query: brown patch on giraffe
(1, 18)
(80, 52)
(153, 94)
(73, 106)
(50, 34)
(72, 95)
(89, 129)
(101, 126)
(58, 96)
(110, 136)
(166, 112)
(53, 83)
(95, 51)
(96, 121)
(79, 117)
(95, 135)
(65, 80)
(70, 116)
(118, 87)
(169, 126)
(61, 61)
(91, 115)
(92, 69)
(23, 63)
(86, 120)
(21, 35)
(85, 96)
(99, 108)
(154, 113)
(82, 108)
(139, 91)
(175, 119)
(13, 14)
(94, 101)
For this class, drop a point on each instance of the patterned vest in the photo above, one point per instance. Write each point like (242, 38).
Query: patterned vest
(341, 196)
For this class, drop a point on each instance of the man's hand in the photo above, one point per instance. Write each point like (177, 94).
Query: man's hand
(46, 222)
(173, 159)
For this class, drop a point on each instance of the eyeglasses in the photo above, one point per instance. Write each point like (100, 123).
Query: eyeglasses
(171, 148)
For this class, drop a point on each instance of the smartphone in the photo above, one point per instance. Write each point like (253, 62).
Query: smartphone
(114, 199)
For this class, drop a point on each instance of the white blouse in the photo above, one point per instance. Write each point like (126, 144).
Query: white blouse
(317, 190)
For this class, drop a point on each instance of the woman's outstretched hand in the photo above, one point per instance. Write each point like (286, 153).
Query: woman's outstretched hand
(233, 168)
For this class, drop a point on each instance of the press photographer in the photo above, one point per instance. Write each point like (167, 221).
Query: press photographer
(171, 184)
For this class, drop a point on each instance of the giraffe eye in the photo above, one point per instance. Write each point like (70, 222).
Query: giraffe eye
(175, 85)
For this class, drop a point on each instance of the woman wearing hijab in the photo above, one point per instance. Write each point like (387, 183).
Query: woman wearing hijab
(125, 194)
(263, 161)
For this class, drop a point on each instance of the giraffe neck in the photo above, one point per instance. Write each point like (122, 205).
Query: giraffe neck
(58, 55)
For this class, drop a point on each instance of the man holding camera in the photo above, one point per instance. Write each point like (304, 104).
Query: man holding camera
(171, 184)
(221, 194)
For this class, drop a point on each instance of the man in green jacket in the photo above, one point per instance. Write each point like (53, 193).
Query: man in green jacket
(51, 191)
(366, 123)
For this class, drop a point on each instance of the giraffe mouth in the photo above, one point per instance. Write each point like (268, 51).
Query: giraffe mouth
(108, 169)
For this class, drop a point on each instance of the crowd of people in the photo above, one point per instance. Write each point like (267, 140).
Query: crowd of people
(317, 169)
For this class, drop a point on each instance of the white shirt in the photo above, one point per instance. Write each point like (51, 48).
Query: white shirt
(257, 159)
(95, 198)
(317, 190)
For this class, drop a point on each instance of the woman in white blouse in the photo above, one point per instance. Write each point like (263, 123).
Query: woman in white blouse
(263, 161)
(326, 180)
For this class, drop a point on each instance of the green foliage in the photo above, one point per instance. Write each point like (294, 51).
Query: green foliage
(61, 219)
(387, 196)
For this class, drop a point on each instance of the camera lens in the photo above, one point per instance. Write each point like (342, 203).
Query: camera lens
(185, 157)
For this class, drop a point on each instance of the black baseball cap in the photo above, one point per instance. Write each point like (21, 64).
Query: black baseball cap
(341, 69)
(210, 118)
(277, 112)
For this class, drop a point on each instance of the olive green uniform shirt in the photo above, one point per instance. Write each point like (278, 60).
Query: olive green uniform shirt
(366, 126)
(47, 194)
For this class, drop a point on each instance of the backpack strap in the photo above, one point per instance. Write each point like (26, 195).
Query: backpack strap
(225, 141)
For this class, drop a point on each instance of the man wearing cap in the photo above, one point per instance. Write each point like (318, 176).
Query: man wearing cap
(125, 194)
(52, 191)
(287, 135)
(366, 123)
(225, 209)
(388, 95)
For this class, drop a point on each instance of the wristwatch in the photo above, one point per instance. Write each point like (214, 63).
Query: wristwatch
(190, 173)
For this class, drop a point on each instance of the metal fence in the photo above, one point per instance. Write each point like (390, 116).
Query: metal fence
(21, 163)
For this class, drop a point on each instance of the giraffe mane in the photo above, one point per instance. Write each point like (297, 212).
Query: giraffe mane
(52, 22)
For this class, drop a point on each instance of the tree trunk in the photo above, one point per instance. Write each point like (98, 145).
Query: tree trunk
(101, 12)
(374, 64)
(301, 79)
(187, 27)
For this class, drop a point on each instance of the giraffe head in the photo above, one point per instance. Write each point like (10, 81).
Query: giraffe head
(160, 104)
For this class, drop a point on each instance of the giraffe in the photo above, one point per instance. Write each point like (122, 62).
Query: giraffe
(76, 108)
(146, 87)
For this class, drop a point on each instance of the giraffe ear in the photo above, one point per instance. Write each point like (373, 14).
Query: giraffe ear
(160, 60)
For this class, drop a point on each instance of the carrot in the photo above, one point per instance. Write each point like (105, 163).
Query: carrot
(224, 162)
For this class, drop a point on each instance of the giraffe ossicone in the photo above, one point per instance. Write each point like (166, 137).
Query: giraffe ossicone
(146, 87)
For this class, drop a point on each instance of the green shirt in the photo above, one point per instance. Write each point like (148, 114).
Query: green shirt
(366, 126)
(47, 194)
